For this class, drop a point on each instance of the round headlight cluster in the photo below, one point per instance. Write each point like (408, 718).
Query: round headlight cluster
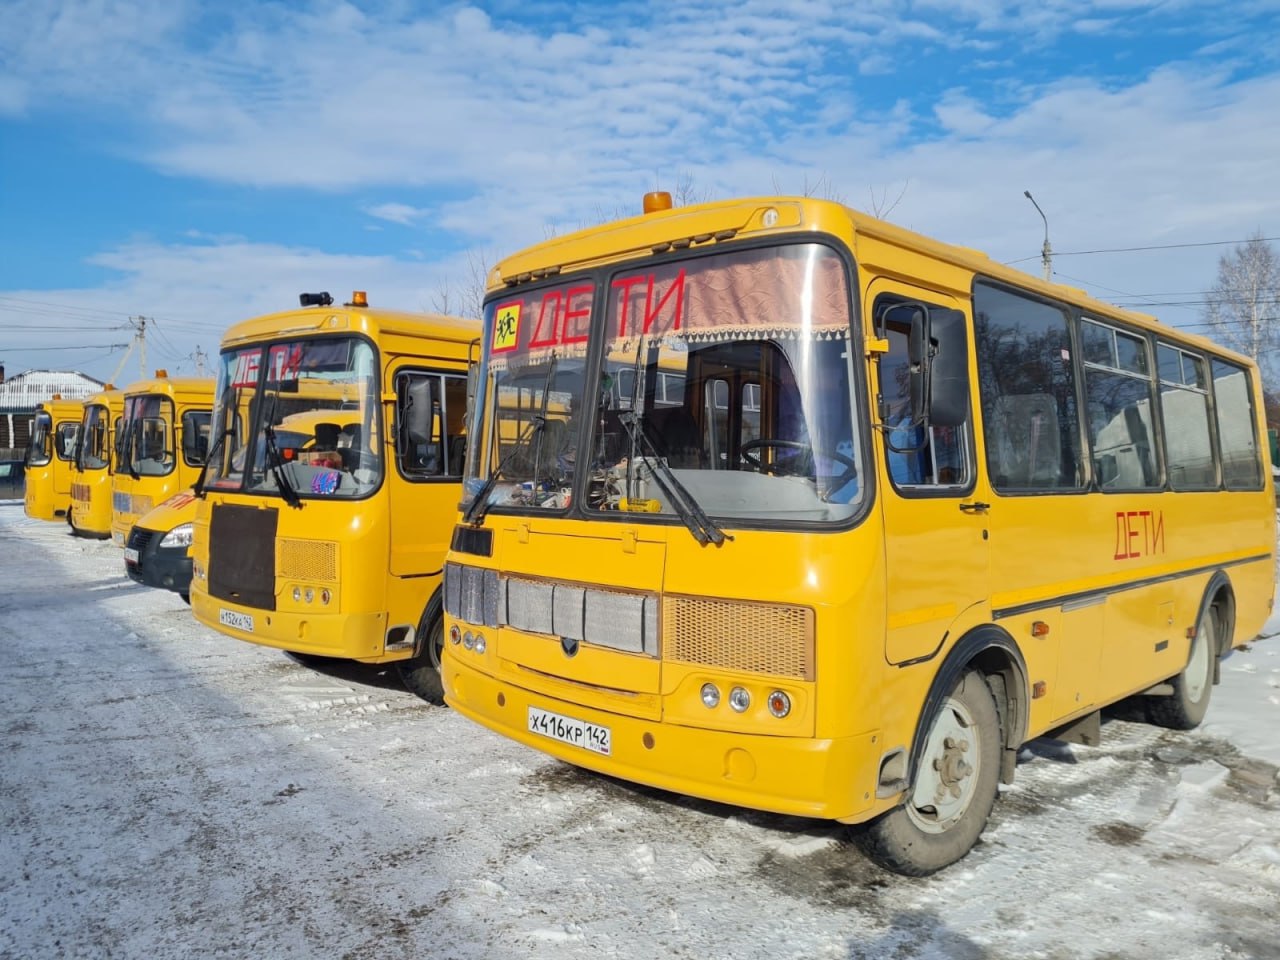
(308, 594)
(778, 701)
(470, 641)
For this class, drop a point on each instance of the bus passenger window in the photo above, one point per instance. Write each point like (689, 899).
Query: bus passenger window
(1027, 385)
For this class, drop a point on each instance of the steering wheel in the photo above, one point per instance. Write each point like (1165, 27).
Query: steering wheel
(802, 465)
(798, 466)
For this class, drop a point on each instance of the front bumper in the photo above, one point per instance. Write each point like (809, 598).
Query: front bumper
(168, 568)
(800, 776)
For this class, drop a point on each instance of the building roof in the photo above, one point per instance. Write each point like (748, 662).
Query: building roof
(26, 390)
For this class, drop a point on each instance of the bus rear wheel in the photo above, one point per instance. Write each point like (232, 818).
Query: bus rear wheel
(954, 788)
(421, 673)
(1187, 705)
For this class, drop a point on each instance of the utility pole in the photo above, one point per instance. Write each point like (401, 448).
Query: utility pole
(1046, 252)
(142, 342)
(198, 357)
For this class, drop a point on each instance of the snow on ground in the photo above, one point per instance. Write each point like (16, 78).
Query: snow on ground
(168, 792)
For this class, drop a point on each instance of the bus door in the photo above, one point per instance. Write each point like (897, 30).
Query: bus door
(429, 446)
(935, 513)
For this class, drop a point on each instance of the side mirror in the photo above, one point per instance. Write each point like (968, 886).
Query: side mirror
(938, 360)
(948, 368)
(414, 415)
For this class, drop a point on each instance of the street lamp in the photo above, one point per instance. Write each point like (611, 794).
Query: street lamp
(1046, 252)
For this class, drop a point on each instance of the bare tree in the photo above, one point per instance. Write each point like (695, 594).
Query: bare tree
(465, 298)
(881, 207)
(1243, 308)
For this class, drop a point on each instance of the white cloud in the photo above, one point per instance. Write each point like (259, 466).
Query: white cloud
(400, 213)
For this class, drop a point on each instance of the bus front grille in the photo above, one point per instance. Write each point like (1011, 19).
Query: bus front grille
(308, 560)
(739, 635)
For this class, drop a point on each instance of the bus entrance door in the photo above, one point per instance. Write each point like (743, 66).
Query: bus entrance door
(935, 536)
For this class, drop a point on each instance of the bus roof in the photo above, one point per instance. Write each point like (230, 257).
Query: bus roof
(59, 407)
(876, 243)
(371, 321)
(180, 388)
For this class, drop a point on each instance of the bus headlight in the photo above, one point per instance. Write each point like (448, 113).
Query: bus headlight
(309, 594)
(739, 699)
(455, 635)
(297, 594)
(468, 641)
(179, 536)
(710, 695)
(779, 704)
(480, 644)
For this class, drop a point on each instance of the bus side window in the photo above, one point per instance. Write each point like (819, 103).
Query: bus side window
(431, 410)
(915, 457)
(1027, 384)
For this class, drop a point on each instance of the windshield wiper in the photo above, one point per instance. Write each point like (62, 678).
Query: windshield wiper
(687, 508)
(541, 419)
(197, 488)
(276, 462)
(477, 508)
(287, 492)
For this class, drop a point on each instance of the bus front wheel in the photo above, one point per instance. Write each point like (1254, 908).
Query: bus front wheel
(954, 788)
(1186, 706)
(421, 672)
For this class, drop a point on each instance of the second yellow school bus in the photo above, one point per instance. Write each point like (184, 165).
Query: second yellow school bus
(91, 478)
(161, 445)
(329, 422)
(901, 510)
(49, 457)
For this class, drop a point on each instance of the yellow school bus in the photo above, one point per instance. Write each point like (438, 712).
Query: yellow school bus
(91, 480)
(913, 509)
(49, 457)
(329, 421)
(161, 446)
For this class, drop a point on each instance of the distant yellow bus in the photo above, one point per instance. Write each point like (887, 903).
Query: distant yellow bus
(49, 457)
(330, 421)
(161, 445)
(911, 510)
(91, 479)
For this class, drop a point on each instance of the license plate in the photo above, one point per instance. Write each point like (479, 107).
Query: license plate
(578, 733)
(130, 555)
(233, 618)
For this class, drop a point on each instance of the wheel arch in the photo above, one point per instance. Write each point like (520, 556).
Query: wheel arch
(991, 650)
(419, 635)
(1219, 597)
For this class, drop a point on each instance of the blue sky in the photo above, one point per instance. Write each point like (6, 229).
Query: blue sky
(200, 163)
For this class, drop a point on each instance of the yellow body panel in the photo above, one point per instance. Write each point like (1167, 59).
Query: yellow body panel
(1094, 596)
(379, 576)
(132, 497)
(91, 486)
(48, 486)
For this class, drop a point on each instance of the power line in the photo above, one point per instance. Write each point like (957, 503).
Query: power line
(1154, 246)
(89, 346)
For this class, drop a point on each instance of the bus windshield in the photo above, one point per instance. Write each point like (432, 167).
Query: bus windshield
(297, 419)
(721, 383)
(39, 449)
(147, 446)
(93, 447)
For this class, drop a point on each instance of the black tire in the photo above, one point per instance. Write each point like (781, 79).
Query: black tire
(1186, 706)
(421, 674)
(932, 830)
(186, 597)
